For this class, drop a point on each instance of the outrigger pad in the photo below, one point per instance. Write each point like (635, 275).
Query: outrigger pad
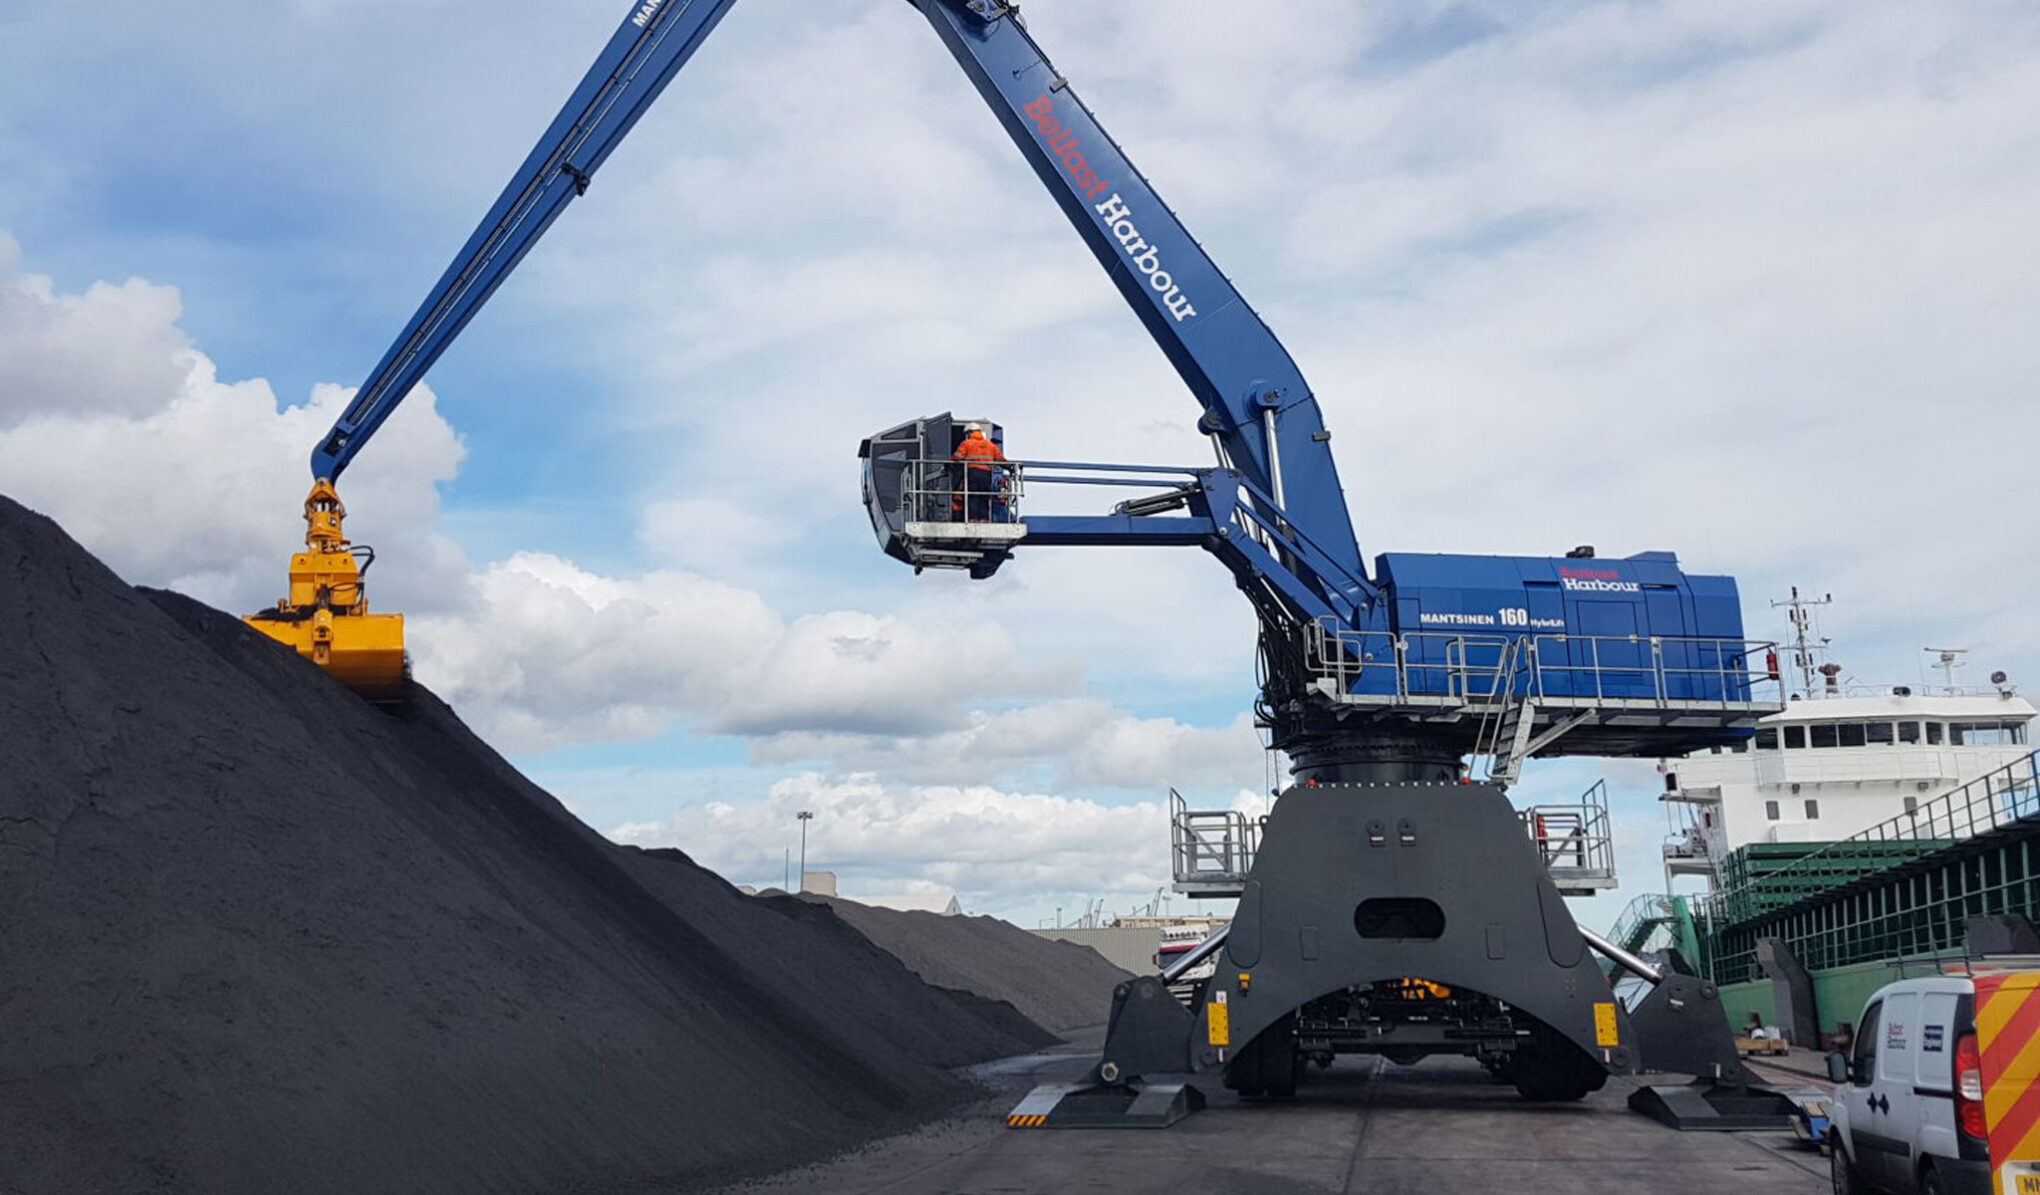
(1105, 1106)
(1681, 1028)
(1702, 1105)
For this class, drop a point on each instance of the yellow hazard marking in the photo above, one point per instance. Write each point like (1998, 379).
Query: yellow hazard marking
(1606, 1031)
(2011, 1078)
(1026, 1122)
(1218, 1023)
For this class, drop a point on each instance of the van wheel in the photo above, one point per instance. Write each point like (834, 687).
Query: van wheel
(1840, 1171)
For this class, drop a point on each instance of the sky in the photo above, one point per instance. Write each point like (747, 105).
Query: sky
(1753, 282)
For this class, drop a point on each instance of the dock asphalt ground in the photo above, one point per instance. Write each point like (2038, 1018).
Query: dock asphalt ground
(1363, 1126)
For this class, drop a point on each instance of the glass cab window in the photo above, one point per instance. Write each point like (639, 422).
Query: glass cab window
(1908, 732)
(1767, 738)
(1853, 734)
(1877, 734)
(1795, 736)
(1824, 734)
(1934, 734)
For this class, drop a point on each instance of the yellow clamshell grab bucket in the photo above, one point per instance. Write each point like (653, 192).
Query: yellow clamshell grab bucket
(326, 616)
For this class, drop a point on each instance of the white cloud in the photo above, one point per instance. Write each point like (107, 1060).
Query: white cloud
(1076, 745)
(994, 848)
(111, 423)
(548, 653)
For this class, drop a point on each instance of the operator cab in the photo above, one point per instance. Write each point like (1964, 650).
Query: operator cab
(936, 501)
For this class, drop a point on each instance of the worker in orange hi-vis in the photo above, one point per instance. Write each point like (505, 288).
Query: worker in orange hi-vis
(980, 458)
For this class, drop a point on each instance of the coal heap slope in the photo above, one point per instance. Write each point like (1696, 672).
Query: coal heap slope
(261, 937)
(1060, 985)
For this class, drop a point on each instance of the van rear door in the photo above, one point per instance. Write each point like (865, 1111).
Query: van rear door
(1895, 1109)
(1941, 1025)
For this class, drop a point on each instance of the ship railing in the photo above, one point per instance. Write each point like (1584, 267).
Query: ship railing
(1475, 669)
(1991, 802)
(1639, 920)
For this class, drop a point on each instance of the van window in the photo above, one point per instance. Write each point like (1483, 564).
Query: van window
(1899, 1038)
(1860, 1071)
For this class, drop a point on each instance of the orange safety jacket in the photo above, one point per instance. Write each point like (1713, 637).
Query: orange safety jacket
(978, 452)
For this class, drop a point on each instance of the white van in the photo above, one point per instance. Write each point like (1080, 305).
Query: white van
(1908, 1114)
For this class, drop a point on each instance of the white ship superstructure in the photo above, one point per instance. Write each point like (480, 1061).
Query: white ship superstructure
(1839, 760)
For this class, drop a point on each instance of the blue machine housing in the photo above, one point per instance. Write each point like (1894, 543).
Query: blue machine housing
(1631, 628)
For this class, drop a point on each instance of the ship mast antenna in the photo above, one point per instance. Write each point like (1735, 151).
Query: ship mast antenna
(1807, 646)
(1951, 659)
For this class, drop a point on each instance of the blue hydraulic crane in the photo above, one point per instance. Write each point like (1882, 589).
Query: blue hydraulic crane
(1377, 682)
(326, 615)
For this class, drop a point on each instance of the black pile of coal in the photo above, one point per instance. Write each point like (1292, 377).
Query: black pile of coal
(1057, 984)
(261, 937)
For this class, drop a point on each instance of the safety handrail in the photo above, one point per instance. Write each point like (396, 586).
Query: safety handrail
(1209, 844)
(1474, 665)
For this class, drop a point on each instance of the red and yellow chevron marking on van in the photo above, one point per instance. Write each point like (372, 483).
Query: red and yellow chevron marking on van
(2008, 1038)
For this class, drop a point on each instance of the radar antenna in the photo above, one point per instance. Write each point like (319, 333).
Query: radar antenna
(1950, 660)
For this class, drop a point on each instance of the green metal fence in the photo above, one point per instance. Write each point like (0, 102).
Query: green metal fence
(1904, 886)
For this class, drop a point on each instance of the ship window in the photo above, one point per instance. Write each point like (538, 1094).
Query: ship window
(1767, 738)
(1771, 810)
(2018, 730)
(1912, 804)
(1795, 736)
(1824, 734)
(1812, 810)
(1908, 732)
(1878, 733)
(1933, 734)
(1981, 734)
(1851, 734)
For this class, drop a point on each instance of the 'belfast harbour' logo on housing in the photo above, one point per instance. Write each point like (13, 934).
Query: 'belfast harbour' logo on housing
(1595, 580)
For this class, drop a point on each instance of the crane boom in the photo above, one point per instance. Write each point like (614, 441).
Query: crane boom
(651, 45)
(1256, 401)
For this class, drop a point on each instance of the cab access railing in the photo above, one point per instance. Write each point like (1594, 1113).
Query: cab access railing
(950, 491)
(1210, 848)
(1575, 841)
(1475, 668)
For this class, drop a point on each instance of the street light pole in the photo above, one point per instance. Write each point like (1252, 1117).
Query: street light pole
(805, 817)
